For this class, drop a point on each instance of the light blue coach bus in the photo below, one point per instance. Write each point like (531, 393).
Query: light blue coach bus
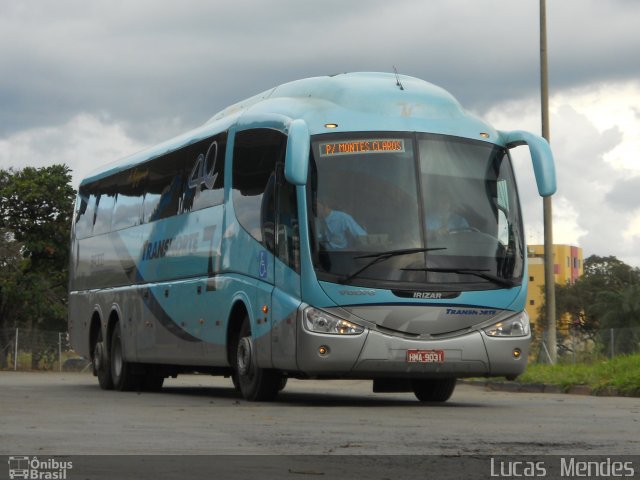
(358, 226)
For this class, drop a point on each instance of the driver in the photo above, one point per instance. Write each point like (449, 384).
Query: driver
(338, 230)
(442, 219)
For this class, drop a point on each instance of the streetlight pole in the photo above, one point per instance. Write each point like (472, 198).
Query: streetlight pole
(549, 278)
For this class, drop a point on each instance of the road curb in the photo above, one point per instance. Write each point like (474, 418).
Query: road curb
(518, 387)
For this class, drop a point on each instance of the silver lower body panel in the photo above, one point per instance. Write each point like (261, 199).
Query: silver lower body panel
(374, 354)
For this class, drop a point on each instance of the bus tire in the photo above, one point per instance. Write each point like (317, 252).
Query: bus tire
(256, 384)
(433, 390)
(123, 378)
(102, 364)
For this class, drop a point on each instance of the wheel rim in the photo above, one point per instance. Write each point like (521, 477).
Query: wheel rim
(97, 356)
(244, 356)
(117, 357)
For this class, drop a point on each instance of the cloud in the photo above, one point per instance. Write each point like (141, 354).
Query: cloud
(587, 210)
(625, 194)
(142, 60)
(83, 143)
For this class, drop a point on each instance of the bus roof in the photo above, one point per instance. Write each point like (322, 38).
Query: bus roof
(347, 102)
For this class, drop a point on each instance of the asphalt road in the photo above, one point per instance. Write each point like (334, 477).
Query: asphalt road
(68, 414)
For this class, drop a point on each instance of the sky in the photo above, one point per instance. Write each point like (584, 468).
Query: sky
(85, 83)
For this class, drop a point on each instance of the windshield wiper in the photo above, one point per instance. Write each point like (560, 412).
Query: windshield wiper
(503, 282)
(382, 256)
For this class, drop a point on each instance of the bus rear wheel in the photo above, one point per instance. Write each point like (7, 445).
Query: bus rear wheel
(256, 384)
(433, 390)
(101, 364)
(123, 378)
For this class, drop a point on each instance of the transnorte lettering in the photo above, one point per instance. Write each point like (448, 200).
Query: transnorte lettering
(170, 247)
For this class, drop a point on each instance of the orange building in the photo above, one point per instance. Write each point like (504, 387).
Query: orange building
(567, 267)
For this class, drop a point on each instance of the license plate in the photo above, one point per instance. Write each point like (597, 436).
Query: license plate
(425, 356)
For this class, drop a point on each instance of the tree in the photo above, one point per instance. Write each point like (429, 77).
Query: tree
(606, 296)
(36, 207)
(609, 272)
(620, 310)
(11, 268)
(601, 274)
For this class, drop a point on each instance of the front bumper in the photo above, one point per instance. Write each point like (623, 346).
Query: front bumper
(376, 354)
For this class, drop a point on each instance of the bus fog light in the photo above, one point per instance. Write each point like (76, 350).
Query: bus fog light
(323, 350)
(517, 353)
(323, 322)
(516, 326)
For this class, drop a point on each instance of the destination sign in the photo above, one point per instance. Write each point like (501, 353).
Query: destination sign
(355, 147)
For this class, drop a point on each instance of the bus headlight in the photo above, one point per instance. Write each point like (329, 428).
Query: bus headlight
(323, 322)
(516, 326)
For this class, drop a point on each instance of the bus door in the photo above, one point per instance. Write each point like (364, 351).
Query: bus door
(258, 170)
(286, 292)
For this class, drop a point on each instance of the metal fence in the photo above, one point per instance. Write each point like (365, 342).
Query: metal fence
(24, 349)
(578, 346)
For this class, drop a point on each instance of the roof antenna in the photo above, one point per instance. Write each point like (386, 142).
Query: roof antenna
(398, 84)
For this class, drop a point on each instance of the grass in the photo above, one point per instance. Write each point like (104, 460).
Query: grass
(621, 373)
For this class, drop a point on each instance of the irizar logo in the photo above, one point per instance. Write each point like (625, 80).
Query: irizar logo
(425, 295)
(428, 295)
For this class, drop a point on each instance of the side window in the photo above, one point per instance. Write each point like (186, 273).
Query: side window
(85, 214)
(104, 212)
(255, 155)
(164, 189)
(149, 206)
(288, 232)
(268, 214)
(188, 179)
(205, 182)
(127, 211)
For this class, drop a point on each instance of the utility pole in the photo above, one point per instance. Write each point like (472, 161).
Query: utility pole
(549, 279)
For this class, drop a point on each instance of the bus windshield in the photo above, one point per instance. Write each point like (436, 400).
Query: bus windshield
(406, 211)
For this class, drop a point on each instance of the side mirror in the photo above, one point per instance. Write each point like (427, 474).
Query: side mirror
(543, 164)
(296, 163)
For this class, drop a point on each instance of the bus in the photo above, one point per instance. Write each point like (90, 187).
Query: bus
(355, 226)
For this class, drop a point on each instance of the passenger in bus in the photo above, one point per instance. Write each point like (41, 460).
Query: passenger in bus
(337, 230)
(442, 219)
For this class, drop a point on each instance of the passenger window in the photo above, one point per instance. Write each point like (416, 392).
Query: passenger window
(205, 182)
(127, 212)
(85, 215)
(255, 155)
(164, 189)
(104, 212)
(150, 204)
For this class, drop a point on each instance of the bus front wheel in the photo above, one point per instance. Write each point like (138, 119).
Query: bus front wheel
(256, 384)
(434, 390)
